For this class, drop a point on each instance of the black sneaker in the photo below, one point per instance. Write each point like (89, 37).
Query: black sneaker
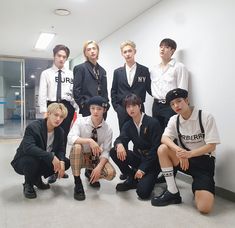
(166, 198)
(122, 176)
(52, 179)
(41, 185)
(29, 191)
(128, 184)
(95, 184)
(79, 193)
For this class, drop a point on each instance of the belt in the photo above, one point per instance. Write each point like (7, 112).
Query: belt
(162, 101)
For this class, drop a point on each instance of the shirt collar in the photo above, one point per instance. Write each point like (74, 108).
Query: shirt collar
(56, 69)
(89, 121)
(194, 116)
(131, 68)
(171, 63)
(141, 119)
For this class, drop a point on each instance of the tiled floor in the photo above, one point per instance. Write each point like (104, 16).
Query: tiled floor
(56, 207)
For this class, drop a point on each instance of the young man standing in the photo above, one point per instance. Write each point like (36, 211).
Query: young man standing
(89, 78)
(56, 84)
(131, 78)
(42, 150)
(140, 164)
(197, 137)
(91, 138)
(168, 75)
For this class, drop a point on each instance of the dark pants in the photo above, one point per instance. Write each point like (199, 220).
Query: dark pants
(162, 112)
(146, 183)
(68, 120)
(122, 115)
(33, 168)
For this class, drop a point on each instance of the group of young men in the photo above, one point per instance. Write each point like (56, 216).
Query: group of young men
(186, 143)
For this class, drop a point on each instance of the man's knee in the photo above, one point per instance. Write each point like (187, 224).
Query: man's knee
(204, 201)
(162, 150)
(76, 149)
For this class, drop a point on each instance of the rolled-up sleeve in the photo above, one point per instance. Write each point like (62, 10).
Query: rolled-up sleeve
(107, 144)
(75, 132)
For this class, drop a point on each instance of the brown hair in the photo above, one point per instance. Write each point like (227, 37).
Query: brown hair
(132, 99)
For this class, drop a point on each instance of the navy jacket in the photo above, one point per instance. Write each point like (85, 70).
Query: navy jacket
(148, 140)
(85, 84)
(34, 143)
(121, 88)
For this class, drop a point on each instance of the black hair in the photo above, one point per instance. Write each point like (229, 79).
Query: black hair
(132, 99)
(60, 47)
(168, 42)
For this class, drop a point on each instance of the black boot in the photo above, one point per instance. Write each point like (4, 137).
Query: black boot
(79, 193)
(41, 185)
(29, 191)
(129, 183)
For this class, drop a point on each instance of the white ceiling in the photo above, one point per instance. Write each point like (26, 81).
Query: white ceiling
(21, 21)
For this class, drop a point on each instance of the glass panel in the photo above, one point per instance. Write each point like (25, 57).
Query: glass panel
(11, 97)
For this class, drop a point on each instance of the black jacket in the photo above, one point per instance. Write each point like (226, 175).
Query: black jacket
(34, 143)
(85, 84)
(121, 88)
(148, 140)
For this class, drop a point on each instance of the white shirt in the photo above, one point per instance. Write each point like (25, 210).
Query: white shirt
(191, 131)
(138, 127)
(82, 128)
(50, 140)
(48, 86)
(130, 73)
(174, 75)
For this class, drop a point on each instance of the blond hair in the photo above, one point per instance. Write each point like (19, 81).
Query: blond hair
(55, 106)
(128, 43)
(90, 42)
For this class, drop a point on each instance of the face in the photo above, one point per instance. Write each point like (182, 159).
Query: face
(97, 111)
(91, 52)
(180, 105)
(133, 110)
(128, 53)
(60, 59)
(55, 118)
(166, 52)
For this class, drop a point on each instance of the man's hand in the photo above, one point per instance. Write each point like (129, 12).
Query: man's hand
(183, 154)
(121, 152)
(139, 174)
(95, 148)
(62, 169)
(95, 175)
(56, 164)
(184, 164)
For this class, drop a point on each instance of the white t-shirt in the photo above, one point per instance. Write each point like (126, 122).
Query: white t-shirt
(191, 131)
(50, 140)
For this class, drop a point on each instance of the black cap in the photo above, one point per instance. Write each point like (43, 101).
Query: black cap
(98, 100)
(176, 93)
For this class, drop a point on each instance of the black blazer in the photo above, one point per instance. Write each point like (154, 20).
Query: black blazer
(121, 88)
(148, 140)
(85, 84)
(34, 143)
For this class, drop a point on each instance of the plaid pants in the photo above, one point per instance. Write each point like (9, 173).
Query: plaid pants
(79, 160)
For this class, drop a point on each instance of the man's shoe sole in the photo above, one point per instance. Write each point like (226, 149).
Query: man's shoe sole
(79, 198)
(161, 204)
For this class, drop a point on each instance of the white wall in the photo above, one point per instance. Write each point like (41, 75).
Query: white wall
(204, 31)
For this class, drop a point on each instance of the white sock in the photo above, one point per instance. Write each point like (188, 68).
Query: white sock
(168, 173)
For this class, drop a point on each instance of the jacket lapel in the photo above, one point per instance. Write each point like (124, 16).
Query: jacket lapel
(123, 72)
(44, 133)
(137, 73)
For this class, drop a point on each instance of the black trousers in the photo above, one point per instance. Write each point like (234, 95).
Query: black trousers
(122, 115)
(130, 166)
(32, 168)
(68, 120)
(163, 113)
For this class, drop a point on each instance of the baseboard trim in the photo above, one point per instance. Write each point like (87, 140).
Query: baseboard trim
(221, 192)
